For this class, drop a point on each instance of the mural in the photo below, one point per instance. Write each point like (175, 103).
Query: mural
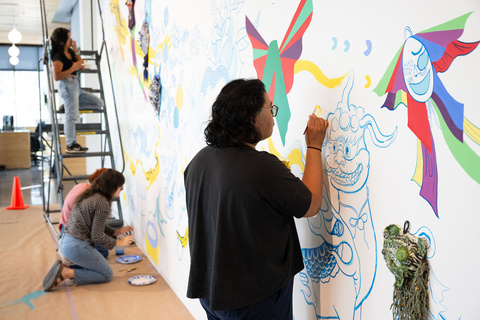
(412, 80)
(169, 61)
(347, 251)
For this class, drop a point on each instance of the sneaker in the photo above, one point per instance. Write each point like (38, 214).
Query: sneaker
(61, 109)
(76, 148)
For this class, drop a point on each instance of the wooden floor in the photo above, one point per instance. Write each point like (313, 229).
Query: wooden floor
(28, 250)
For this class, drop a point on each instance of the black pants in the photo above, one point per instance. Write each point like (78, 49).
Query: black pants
(278, 306)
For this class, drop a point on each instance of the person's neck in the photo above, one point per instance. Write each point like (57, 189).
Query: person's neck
(251, 145)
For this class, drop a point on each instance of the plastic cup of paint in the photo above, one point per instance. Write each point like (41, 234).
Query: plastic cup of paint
(119, 250)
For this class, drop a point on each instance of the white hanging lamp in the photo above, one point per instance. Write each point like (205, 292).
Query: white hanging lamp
(14, 61)
(13, 51)
(14, 36)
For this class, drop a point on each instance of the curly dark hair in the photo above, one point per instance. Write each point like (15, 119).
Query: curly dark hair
(106, 184)
(58, 39)
(234, 113)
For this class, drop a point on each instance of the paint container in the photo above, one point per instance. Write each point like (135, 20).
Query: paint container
(119, 250)
(286, 162)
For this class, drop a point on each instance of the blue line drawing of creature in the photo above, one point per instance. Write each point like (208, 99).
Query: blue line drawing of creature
(226, 43)
(347, 255)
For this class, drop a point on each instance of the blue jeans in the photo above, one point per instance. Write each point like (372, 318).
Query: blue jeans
(75, 99)
(102, 250)
(278, 306)
(93, 267)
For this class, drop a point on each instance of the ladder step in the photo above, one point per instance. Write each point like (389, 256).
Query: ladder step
(92, 111)
(75, 178)
(91, 90)
(87, 154)
(80, 128)
(88, 71)
(88, 132)
(85, 89)
(87, 126)
(88, 52)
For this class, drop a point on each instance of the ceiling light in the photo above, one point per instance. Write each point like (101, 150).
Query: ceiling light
(14, 61)
(14, 36)
(13, 51)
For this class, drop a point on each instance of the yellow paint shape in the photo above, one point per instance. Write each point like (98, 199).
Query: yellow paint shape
(121, 27)
(153, 252)
(138, 50)
(471, 131)
(295, 156)
(369, 81)
(179, 98)
(404, 97)
(184, 165)
(183, 240)
(150, 175)
(317, 110)
(152, 53)
(418, 175)
(133, 166)
(305, 65)
(272, 148)
(133, 71)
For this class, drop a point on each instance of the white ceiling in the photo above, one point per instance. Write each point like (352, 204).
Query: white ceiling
(25, 14)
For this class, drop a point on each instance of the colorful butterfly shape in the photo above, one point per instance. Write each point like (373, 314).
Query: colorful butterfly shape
(275, 65)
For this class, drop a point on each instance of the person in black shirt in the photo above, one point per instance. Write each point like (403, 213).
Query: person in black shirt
(241, 205)
(66, 62)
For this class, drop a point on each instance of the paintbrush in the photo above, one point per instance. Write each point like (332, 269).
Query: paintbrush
(128, 233)
(316, 112)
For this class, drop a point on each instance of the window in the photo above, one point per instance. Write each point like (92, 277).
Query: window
(19, 87)
(19, 96)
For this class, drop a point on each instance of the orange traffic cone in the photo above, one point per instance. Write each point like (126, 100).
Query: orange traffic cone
(17, 197)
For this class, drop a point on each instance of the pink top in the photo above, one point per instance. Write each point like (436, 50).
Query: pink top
(70, 200)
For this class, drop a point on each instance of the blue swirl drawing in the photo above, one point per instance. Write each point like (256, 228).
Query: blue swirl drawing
(347, 255)
(437, 289)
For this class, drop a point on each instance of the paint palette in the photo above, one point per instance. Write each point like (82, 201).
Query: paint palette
(129, 259)
(142, 280)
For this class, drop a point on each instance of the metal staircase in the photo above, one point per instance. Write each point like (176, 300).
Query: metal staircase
(97, 124)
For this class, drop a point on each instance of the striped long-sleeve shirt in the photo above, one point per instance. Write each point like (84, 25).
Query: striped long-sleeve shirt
(88, 221)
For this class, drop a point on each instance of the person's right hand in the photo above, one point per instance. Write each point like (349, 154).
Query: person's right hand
(78, 65)
(316, 130)
(125, 241)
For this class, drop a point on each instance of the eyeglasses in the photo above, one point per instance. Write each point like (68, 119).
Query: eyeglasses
(273, 110)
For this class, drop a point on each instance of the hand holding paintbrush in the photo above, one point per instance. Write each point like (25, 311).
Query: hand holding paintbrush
(315, 130)
(125, 232)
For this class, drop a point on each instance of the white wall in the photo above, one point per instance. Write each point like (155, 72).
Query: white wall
(197, 46)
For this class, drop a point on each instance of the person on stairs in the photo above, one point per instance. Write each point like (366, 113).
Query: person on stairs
(87, 228)
(66, 62)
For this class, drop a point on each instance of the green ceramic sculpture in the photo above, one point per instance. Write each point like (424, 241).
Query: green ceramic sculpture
(405, 256)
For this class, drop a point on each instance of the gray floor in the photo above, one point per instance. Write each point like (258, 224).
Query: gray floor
(30, 182)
